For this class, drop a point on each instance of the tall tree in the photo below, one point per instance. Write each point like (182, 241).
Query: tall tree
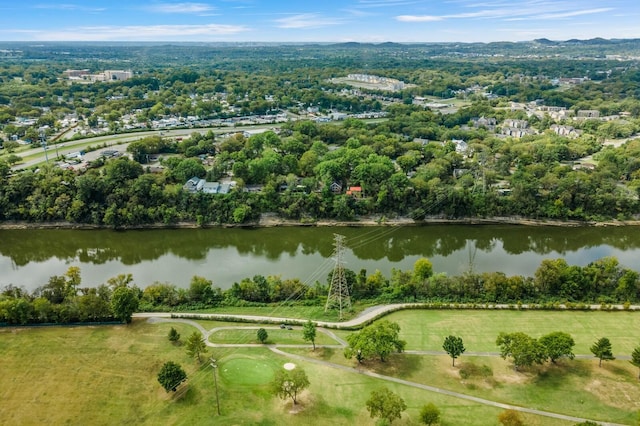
(124, 302)
(196, 345)
(309, 333)
(262, 335)
(171, 375)
(385, 404)
(524, 349)
(289, 383)
(557, 345)
(601, 349)
(454, 347)
(378, 339)
(635, 359)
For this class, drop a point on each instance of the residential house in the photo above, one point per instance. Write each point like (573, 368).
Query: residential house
(564, 130)
(354, 191)
(588, 113)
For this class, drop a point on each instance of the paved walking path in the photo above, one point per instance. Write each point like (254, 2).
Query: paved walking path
(371, 313)
(364, 317)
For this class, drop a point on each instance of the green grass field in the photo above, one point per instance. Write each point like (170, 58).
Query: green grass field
(107, 375)
(276, 336)
(426, 329)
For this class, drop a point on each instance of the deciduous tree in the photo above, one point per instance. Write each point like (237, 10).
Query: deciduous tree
(557, 345)
(454, 347)
(378, 339)
(524, 349)
(309, 333)
(385, 404)
(124, 302)
(289, 383)
(429, 414)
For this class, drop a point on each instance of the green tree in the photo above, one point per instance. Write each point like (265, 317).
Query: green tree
(171, 375)
(454, 347)
(422, 269)
(124, 302)
(262, 335)
(385, 404)
(601, 349)
(557, 345)
(378, 339)
(174, 336)
(524, 349)
(429, 414)
(289, 383)
(635, 359)
(13, 159)
(510, 418)
(195, 345)
(309, 333)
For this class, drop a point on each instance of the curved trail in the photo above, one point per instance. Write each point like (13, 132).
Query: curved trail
(366, 316)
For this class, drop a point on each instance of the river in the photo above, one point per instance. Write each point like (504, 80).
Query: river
(226, 255)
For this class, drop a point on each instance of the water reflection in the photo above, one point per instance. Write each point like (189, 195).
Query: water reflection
(239, 253)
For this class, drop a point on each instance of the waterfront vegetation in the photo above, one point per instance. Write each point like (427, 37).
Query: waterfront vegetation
(63, 300)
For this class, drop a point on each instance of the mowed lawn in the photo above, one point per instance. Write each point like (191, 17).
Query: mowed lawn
(426, 329)
(107, 375)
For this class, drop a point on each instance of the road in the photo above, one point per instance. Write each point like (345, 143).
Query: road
(69, 146)
(363, 318)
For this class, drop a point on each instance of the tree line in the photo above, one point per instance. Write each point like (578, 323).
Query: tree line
(63, 300)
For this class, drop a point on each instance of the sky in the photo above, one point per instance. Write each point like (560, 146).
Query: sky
(373, 21)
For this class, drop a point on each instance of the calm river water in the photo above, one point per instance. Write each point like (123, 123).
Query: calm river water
(29, 257)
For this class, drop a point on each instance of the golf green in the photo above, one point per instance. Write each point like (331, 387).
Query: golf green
(247, 371)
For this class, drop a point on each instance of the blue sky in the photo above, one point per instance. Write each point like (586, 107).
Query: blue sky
(321, 21)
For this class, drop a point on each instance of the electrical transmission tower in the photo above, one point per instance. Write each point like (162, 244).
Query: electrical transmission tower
(338, 291)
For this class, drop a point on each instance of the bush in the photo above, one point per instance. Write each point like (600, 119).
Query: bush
(469, 370)
(429, 414)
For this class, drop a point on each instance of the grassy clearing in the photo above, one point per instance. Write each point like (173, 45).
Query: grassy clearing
(426, 329)
(281, 311)
(276, 336)
(577, 388)
(107, 375)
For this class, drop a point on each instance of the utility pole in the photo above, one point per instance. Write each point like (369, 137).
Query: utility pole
(43, 141)
(338, 291)
(215, 380)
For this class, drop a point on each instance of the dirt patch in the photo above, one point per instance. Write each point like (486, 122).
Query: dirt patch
(614, 393)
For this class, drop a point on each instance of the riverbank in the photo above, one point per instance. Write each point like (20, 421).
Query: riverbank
(272, 221)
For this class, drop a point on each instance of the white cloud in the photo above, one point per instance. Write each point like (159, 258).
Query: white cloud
(69, 7)
(572, 13)
(142, 33)
(307, 20)
(419, 18)
(180, 8)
